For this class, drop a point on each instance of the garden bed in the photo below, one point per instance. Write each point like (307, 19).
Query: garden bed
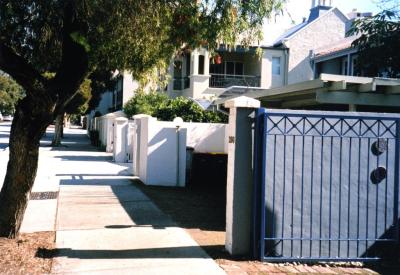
(27, 254)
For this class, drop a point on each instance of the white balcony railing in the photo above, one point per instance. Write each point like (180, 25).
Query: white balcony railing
(227, 80)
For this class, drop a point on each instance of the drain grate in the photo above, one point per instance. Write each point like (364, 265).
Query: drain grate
(44, 195)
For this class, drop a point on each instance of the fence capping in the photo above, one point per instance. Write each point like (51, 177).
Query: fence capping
(243, 102)
(138, 116)
(121, 119)
(114, 115)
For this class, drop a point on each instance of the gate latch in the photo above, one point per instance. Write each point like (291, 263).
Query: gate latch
(378, 175)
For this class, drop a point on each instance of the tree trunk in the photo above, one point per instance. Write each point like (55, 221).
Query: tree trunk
(58, 130)
(44, 99)
(26, 131)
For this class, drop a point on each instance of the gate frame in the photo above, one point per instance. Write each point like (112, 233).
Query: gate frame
(259, 159)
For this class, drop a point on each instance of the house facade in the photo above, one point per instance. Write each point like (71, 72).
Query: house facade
(324, 26)
(338, 57)
(317, 45)
(199, 76)
(114, 100)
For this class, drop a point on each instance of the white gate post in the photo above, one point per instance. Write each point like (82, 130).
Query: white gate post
(240, 175)
(120, 127)
(137, 157)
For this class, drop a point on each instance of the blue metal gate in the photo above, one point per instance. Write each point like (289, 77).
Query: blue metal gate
(326, 186)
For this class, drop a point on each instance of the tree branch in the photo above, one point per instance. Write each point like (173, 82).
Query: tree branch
(19, 69)
(74, 62)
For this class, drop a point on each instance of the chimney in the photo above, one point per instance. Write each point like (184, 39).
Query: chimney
(354, 14)
(325, 3)
(319, 7)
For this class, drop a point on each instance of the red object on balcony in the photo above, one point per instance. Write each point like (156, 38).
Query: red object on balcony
(218, 59)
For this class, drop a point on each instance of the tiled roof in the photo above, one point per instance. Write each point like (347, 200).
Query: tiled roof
(289, 33)
(314, 16)
(335, 47)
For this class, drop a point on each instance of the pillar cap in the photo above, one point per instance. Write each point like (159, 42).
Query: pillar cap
(140, 116)
(242, 102)
(121, 119)
(108, 115)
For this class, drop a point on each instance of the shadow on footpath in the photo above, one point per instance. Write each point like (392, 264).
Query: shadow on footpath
(196, 209)
(185, 252)
(71, 141)
(83, 157)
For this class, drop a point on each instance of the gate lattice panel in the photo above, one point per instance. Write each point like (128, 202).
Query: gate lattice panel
(328, 186)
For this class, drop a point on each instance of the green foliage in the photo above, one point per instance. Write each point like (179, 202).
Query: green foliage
(379, 38)
(75, 119)
(10, 93)
(136, 35)
(79, 104)
(145, 103)
(188, 110)
(100, 82)
(159, 105)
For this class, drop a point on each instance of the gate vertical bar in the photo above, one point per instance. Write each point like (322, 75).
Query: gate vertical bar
(262, 174)
(348, 202)
(321, 186)
(367, 200)
(259, 184)
(386, 185)
(284, 186)
(340, 185)
(396, 181)
(311, 192)
(292, 190)
(302, 190)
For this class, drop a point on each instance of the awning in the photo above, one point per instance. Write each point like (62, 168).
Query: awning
(328, 89)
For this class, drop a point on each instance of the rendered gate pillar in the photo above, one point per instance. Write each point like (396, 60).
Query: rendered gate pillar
(109, 128)
(240, 175)
(120, 128)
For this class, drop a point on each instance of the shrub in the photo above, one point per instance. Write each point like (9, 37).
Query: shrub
(188, 111)
(143, 103)
(159, 105)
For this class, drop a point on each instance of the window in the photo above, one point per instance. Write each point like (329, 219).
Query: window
(201, 64)
(238, 68)
(188, 64)
(217, 68)
(233, 68)
(227, 68)
(177, 68)
(118, 93)
(230, 67)
(345, 66)
(276, 65)
(354, 67)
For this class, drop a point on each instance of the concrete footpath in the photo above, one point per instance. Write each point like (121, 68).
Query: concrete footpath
(104, 224)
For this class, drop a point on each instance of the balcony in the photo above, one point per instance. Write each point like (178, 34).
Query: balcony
(227, 80)
(181, 83)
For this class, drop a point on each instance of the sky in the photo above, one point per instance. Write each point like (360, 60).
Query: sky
(301, 8)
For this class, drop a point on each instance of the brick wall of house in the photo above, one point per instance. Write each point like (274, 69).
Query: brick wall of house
(329, 28)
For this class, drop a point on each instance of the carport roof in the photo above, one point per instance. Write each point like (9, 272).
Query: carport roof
(328, 89)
